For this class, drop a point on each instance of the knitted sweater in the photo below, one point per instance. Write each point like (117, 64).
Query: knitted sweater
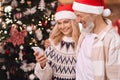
(61, 62)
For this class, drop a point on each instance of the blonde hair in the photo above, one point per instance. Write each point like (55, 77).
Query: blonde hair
(56, 35)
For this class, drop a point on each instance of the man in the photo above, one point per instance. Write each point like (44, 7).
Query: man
(98, 51)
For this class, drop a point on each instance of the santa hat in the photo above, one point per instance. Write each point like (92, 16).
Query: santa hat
(91, 6)
(64, 12)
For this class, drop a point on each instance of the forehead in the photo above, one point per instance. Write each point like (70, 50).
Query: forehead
(61, 20)
(80, 13)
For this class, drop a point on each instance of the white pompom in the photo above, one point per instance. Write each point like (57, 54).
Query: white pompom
(29, 28)
(21, 47)
(39, 34)
(31, 76)
(106, 12)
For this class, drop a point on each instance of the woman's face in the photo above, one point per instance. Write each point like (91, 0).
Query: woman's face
(64, 25)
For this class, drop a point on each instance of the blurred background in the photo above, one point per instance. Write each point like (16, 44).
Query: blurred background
(25, 24)
(114, 5)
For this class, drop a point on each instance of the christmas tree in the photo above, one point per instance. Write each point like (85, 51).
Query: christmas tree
(23, 24)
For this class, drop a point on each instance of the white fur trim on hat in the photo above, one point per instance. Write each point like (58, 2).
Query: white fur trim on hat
(65, 15)
(88, 8)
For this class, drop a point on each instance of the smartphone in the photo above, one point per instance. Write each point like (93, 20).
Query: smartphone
(40, 50)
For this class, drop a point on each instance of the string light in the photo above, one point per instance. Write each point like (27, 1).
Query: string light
(36, 44)
(30, 32)
(49, 19)
(30, 43)
(5, 32)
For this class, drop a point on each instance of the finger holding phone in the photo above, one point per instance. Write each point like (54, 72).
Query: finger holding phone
(40, 56)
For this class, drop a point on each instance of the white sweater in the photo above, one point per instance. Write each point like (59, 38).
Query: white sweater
(61, 62)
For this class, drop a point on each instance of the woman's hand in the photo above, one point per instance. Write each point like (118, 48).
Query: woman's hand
(41, 58)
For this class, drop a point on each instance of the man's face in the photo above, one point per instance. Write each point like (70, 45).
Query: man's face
(87, 21)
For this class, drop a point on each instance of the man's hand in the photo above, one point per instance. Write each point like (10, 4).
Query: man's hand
(47, 43)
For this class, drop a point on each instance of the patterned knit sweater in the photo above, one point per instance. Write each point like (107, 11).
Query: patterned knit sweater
(61, 62)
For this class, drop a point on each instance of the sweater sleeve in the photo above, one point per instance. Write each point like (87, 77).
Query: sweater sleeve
(41, 73)
(113, 62)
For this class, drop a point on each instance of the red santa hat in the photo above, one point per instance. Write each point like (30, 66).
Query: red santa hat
(91, 6)
(65, 12)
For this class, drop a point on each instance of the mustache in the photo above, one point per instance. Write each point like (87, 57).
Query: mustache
(82, 22)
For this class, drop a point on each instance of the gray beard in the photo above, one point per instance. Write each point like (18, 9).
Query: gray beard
(89, 27)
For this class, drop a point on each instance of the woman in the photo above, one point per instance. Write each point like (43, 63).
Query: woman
(58, 62)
